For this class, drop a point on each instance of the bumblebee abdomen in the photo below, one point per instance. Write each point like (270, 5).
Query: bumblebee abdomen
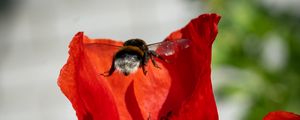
(128, 59)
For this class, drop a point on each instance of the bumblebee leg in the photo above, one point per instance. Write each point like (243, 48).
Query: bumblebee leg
(144, 69)
(157, 55)
(144, 62)
(109, 73)
(111, 70)
(154, 62)
(146, 58)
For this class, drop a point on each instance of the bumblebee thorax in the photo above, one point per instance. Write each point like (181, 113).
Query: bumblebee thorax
(130, 50)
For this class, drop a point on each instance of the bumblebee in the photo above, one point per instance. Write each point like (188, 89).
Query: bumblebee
(135, 53)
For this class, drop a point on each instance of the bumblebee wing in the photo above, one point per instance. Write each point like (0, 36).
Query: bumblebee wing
(168, 47)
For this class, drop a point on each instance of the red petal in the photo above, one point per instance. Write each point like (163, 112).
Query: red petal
(79, 83)
(281, 115)
(191, 96)
(182, 87)
(94, 96)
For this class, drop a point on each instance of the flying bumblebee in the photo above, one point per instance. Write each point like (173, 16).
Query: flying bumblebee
(135, 53)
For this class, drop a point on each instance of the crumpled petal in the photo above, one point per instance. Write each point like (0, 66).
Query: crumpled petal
(191, 96)
(180, 90)
(89, 94)
(281, 115)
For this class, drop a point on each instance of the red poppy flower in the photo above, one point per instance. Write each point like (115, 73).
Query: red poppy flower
(179, 90)
(281, 115)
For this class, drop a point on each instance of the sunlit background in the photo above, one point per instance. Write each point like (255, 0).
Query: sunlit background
(256, 56)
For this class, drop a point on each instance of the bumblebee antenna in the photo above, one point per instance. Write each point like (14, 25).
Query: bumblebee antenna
(110, 45)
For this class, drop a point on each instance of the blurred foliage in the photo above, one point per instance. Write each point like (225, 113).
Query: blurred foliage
(244, 33)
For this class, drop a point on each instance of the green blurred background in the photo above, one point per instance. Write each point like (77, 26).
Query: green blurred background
(256, 56)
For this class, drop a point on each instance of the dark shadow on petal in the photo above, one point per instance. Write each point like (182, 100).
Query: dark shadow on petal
(88, 116)
(132, 104)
